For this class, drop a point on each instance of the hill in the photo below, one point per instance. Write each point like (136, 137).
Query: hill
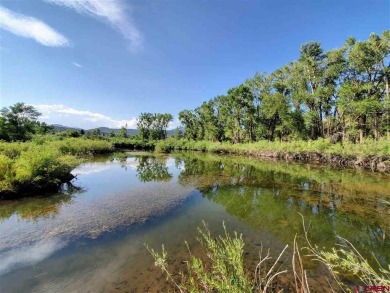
(105, 130)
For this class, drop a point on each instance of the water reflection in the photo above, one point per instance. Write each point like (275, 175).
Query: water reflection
(152, 169)
(148, 168)
(269, 196)
(28, 255)
(40, 206)
(261, 199)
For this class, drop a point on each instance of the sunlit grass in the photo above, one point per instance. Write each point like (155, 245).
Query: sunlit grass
(41, 164)
(322, 146)
(223, 270)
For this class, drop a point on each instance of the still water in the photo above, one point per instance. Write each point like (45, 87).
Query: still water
(90, 236)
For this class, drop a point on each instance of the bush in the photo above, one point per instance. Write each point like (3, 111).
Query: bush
(226, 272)
(369, 148)
(223, 270)
(43, 163)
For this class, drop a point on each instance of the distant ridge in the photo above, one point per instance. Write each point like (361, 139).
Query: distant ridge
(59, 127)
(105, 130)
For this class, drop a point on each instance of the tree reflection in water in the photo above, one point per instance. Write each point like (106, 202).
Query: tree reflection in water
(270, 195)
(33, 208)
(152, 169)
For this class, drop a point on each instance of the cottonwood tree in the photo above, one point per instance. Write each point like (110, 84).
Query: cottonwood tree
(153, 126)
(322, 94)
(18, 122)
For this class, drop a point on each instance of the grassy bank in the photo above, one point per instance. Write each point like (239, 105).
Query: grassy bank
(370, 154)
(46, 161)
(43, 164)
(133, 144)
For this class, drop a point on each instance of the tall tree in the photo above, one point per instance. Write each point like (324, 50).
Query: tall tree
(19, 121)
(153, 126)
(363, 94)
(190, 122)
(123, 132)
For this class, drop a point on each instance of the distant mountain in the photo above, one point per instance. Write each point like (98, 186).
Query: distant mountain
(59, 127)
(105, 130)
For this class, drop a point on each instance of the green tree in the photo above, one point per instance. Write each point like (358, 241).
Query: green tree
(178, 134)
(364, 92)
(19, 121)
(153, 126)
(42, 128)
(190, 122)
(144, 125)
(123, 132)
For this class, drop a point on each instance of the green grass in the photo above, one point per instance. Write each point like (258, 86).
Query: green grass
(369, 148)
(131, 143)
(222, 270)
(46, 161)
(43, 164)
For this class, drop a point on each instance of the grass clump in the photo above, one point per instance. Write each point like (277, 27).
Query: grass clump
(345, 261)
(222, 270)
(42, 167)
(43, 164)
(82, 146)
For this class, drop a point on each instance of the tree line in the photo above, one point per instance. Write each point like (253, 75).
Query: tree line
(19, 122)
(340, 94)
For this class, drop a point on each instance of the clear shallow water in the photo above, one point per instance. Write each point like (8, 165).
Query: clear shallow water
(91, 237)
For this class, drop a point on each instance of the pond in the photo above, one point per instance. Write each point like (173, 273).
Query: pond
(90, 236)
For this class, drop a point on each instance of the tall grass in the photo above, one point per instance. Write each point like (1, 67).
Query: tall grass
(43, 164)
(223, 270)
(369, 148)
(131, 143)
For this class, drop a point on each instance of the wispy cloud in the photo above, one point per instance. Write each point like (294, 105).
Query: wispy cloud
(112, 12)
(60, 114)
(29, 27)
(77, 64)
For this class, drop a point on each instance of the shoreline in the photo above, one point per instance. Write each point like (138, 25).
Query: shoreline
(375, 164)
(375, 160)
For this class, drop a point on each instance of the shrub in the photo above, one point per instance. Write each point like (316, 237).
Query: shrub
(43, 163)
(223, 271)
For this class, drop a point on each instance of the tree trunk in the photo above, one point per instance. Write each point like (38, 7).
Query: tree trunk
(376, 126)
(387, 108)
(320, 125)
(362, 128)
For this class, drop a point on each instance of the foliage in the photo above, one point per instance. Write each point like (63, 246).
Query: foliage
(43, 163)
(343, 92)
(226, 270)
(345, 260)
(323, 146)
(19, 122)
(223, 270)
(153, 126)
(152, 169)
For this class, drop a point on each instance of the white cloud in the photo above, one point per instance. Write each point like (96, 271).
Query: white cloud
(110, 11)
(77, 64)
(174, 124)
(28, 255)
(29, 27)
(60, 114)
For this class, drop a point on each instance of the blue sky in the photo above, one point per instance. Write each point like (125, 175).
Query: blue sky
(91, 63)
